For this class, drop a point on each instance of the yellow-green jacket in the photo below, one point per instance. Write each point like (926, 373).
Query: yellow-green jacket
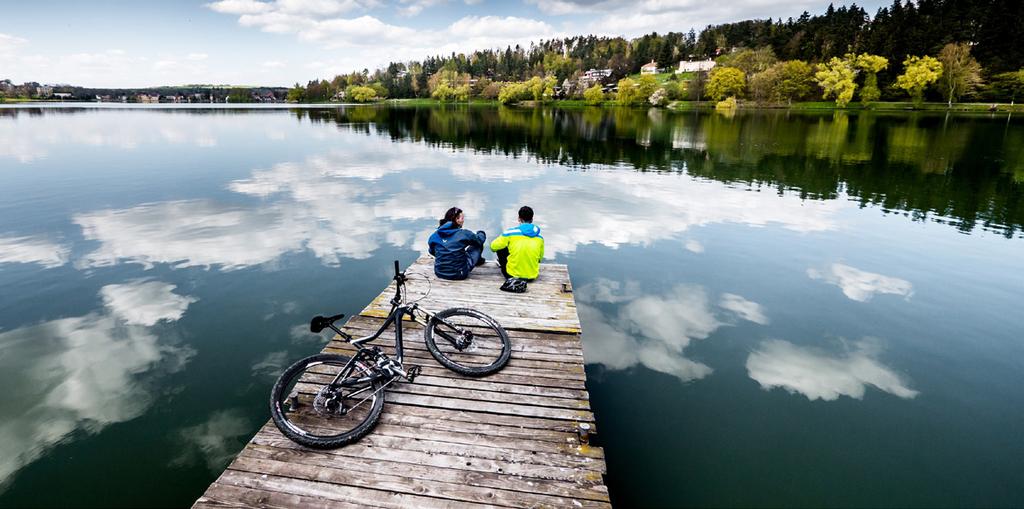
(525, 250)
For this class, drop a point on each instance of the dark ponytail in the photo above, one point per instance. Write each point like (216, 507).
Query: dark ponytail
(450, 215)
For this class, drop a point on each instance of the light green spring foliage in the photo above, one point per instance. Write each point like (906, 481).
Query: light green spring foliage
(536, 88)
(594, 95)
(634, 92)
(918, 73)
(750, 61)
(727, 106)
(296, 94)
(784, 81)
(626, 92)
(961, 73)
(513, 92)
(835, 78)
(870, 65)
(725, 82)
(446, 92)
(361, 94)
(541, 89)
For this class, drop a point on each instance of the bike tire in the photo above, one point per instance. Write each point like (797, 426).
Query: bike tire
(492, 357)
(288, 422)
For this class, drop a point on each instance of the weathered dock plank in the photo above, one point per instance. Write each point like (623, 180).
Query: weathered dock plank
(506, 440)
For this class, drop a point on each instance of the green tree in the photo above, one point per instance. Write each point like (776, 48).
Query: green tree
(795, 78)
(836, 80)
(627, 92)
(360, 94)
(1009, 84)
(594, 95)
(870, 65)
(646, 86)
(961, 73)
(750, 61)
(541, 89)
(918, 73)
(725, 82)
(511, 93)
(240, 95)
(296, 94)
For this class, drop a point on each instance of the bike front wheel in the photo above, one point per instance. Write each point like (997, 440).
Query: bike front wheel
(468, 342)
(313, 406)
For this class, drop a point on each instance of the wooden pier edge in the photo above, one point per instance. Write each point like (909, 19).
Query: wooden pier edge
(507, 440)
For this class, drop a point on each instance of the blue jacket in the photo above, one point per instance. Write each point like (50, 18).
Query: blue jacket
(448, 245)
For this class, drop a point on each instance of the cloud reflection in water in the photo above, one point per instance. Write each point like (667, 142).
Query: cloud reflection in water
(83, 373)
(860, 285)
(818, 374)
(33, 250)
(603, 207)
(652, 330)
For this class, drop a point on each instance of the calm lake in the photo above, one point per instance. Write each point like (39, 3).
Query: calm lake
(778, 309)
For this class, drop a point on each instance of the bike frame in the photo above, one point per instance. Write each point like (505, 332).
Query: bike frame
(381, 360)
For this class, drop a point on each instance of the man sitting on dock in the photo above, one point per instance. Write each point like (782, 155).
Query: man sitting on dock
(520, 248)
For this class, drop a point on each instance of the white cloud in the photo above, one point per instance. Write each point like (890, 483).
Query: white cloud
(33, 250)
(860, 285)
(9, 43)
(358, 40)
(631, 18)
(414, 7)
(653, 330)
(129, 132)
(143, 302)
(694, 246)
(821, 375)
(745, 309)
(197, 56)
(271, 365)
(590, 209)
(215, 441)
(77, 374)
(240, 6)
(194, 233)
(325, 204)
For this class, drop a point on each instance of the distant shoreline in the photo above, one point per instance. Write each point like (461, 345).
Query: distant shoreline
(903, 106)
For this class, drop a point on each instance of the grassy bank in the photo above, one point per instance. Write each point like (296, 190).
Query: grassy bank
(875, 106)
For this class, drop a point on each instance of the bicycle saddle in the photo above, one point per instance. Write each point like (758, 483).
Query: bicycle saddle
(319, 323)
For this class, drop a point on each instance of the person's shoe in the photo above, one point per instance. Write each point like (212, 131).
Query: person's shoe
(481, 261)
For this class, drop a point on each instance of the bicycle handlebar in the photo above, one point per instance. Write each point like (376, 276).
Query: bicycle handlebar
(397, 271)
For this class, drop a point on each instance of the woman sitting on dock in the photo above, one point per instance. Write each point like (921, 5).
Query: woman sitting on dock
(456, 251)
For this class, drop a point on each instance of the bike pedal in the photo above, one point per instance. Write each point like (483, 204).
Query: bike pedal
(413, 372)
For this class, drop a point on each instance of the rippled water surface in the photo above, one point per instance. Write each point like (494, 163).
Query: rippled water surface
(778, 309)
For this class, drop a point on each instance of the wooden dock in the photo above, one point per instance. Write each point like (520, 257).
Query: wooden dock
(507, 440)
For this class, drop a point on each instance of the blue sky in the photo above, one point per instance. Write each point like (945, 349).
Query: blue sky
(279, 42)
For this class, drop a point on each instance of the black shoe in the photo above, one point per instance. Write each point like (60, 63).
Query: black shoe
(481, 261)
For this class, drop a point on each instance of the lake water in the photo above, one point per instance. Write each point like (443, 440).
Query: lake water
(778, 308)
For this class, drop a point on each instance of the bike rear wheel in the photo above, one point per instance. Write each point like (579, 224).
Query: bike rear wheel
(468, 342)
(311, 411)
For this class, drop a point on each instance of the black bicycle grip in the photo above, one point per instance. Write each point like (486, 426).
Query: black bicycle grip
(397, 272)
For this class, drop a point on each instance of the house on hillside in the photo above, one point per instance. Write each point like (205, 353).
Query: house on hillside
(649, 68)
(695, 66)
(147, 98)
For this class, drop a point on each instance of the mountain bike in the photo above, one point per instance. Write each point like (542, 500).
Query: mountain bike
(330, 400)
